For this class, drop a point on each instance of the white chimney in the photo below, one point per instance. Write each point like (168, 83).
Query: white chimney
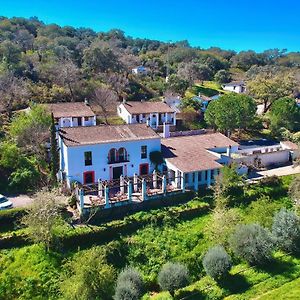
(86, 102)
(166, 130)
(228, 151)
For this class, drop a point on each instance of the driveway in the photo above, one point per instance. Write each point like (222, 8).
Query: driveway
(20, 200)
(280, 171)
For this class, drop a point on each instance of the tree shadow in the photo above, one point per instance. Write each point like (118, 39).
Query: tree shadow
(235, 284)
(275, 267)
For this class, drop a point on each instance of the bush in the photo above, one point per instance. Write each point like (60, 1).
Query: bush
(88, 276)
(129, 285)
(173, 276)
(216, 262)
(286, 230)
(253, 243)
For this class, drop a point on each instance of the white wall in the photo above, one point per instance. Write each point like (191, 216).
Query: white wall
(236, 88)
(267, 159)
(73, 121)
(75, 165)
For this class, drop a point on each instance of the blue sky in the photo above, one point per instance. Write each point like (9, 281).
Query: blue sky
(230, 24)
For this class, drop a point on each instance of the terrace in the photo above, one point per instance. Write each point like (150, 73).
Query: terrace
(127, 190)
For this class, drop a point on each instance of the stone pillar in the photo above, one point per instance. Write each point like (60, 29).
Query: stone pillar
(71, 122)
(196, 181)
(82, 121)
(135, 182)
(164, 184)
(106, 197)
(122, 183)
(129, 189)
(81, 199)
(166, 118)
(174, 118)
(100, 188)
(94, 120)
(144, 190)
(208, 177)
(182, 182)
(157, 120)
(154, 178)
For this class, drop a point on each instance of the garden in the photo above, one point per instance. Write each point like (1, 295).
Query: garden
(190, 250)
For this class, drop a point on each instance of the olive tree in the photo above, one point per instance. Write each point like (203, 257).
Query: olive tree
(129, 285)
(173, 276)
(286, 230)
(216, 262)
(252, 243)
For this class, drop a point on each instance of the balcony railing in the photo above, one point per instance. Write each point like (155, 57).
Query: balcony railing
(117, 160)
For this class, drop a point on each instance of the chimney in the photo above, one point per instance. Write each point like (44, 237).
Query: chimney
(86, 102)
(166, 130)
(228, 151)
(124, 100)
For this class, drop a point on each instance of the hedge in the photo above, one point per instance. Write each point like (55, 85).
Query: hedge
(89, 235)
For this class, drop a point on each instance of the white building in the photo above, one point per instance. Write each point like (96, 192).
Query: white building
(88, 154)
(155, 114)
(235, 86)
(197, 158)
(140, 70)
(174, 101)
(204, 100)
(72, 114)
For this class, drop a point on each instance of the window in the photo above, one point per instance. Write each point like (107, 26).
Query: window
(88, 158)
(122, 154)
(112, 155)
(199, 176)
(206, 175)
(86, 118)
(144, 152)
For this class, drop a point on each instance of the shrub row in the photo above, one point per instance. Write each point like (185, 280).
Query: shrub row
(89, 235)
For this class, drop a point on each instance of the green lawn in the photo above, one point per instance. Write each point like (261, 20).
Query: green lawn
(208, 88)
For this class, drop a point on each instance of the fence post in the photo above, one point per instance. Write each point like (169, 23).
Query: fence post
(81, 199)
(129, 188)
(135, 181)
(100, 188)
(106, 197)
(154, 178)
(122, 189)
(144, 190)
(164, 184)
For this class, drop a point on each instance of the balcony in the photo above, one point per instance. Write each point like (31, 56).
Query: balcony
(117, 160)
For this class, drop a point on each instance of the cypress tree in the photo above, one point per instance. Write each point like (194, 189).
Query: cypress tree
(54, 164)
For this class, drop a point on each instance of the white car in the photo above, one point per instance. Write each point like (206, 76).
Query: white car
(5, 203)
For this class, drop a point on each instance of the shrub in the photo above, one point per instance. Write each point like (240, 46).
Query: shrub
(216, 262)
(173, 276)
(286, 230)
(129, 285)
(88, 276)
(253, 243)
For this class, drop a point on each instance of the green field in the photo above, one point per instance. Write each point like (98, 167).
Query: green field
(168, 234)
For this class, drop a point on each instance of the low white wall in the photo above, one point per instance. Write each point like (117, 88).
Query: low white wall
(267, 159)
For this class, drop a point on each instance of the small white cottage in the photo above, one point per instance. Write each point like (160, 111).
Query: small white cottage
(72, 114)
(155, 114)
(235, 86)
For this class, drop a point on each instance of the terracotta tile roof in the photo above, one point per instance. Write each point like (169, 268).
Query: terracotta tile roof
(189, 153)
(75, 136)
(290, 145)
(70, 109)
(146, 107)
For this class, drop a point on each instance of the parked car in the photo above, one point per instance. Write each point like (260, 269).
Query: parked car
(5, 203)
